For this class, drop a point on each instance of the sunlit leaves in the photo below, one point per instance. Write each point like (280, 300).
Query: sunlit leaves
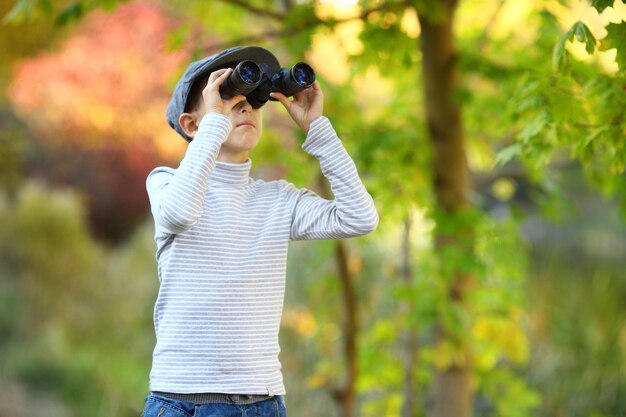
(499, 337)
(614, 39)
(580, 117)
(381, 30)
(300, 23)
(561, 116)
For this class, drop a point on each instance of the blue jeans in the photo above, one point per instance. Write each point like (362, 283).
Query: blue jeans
(157, 406)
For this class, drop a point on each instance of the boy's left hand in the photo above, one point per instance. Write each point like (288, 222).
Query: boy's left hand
(306, 106)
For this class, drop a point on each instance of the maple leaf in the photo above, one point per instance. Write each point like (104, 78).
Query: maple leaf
(600, 5)
(581, 33)
(616, 38)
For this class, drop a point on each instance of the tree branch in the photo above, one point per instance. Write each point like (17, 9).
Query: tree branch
(256, 10)
(289, 31)
(250, 39)
(484, 180)
(519, 172)
(484, 36)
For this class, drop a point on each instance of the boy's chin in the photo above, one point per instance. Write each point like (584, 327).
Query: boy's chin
(241, 144)
(247, 141)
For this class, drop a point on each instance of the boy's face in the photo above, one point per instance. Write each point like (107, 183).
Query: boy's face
(247, 127)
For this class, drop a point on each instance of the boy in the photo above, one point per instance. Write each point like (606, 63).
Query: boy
(222, 242)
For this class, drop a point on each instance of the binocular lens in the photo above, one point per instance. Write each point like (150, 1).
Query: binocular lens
(245, 78)
(249, 72)
(249, 80)
(290, 81)
(303, 74)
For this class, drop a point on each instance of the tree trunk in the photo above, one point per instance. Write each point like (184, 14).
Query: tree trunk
(409, 333)
(452, 394)
(345, 394)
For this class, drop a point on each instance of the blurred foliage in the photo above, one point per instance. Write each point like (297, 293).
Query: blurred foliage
(542, 89)
(576, 307)
(20, 40)
(73, 101)
(76, 319)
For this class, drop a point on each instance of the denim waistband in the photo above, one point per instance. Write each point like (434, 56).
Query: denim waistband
(214, 398)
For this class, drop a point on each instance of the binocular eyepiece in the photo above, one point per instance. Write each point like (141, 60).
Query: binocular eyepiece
(244, 78)
(250, 80)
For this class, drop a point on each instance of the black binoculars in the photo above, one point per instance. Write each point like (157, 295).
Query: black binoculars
(249, 80)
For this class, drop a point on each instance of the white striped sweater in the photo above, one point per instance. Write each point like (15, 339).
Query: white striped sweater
(222, 242)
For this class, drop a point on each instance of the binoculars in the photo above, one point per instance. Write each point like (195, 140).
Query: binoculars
(250, 80)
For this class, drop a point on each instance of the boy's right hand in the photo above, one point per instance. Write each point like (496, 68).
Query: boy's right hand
(213, 102)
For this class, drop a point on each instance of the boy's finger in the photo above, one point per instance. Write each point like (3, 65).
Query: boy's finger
(219, 75)
(280, 97)
(215, 74)
(226, 72)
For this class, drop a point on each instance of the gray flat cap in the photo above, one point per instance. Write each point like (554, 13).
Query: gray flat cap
(197, 69)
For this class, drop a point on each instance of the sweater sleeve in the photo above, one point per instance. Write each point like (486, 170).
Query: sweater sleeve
(177, 196)
(352, 212)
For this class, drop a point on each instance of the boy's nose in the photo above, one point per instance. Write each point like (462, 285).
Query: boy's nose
(244, 106)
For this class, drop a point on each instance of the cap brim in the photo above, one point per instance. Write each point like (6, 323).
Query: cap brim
(237, 54)
(229, 57)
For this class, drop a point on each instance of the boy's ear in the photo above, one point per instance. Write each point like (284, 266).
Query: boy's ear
(189, 124)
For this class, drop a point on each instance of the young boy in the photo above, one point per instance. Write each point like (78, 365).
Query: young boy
(222, 242)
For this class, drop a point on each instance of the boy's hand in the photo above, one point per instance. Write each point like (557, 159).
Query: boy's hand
(306, 106)
(213, 102)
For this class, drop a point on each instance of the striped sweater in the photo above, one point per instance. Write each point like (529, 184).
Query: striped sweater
(222, 242)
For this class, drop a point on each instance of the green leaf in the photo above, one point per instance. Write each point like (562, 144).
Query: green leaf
(537, 125)
(584, 35)
(581, 33)
(559, 54)
(26, 10)
(433, 10)
(616, 38)
(508, 153)
(71, 13)
(600, 5)
(20, 12)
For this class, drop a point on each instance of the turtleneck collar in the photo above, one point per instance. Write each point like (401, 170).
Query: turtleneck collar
(231, 174)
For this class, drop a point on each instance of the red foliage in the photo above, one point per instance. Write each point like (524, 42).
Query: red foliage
(112, 73)
(97, 109)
